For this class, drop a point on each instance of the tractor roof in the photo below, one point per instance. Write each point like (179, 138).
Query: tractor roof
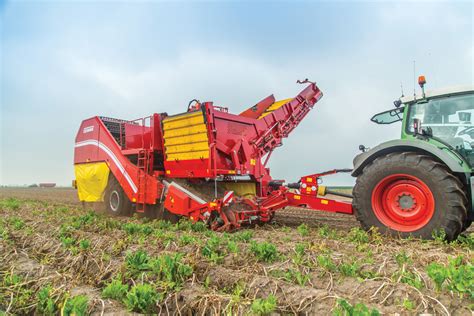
(439, 92)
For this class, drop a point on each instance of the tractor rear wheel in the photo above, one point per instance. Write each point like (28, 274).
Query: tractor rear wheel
(410, 194)
(115, 200)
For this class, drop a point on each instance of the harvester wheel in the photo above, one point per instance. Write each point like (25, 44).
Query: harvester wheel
(115, 200)
(409, 194)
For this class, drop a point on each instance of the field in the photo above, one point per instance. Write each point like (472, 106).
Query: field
(59, 256)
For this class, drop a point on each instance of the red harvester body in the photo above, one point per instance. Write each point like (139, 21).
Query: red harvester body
(206, 145)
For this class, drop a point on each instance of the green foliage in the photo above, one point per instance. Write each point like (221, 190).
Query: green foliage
(135, 228)
(264, 306)
(186, 239)
(212, 250)
(466, 240)
(184, 224)
(232, 246)
(344, 308)
(297, 277)
(408, 304)
(65, 230)
(265, 251)
(84, 244)
(170, 270)
(349, 269)
(326, 262)
(11, 204)
(164, 235)
(299, 256)
(402, 258)
(142, 298)
(199, 227)
(110, 223)
(326, 231)
(3, 231)
(439, 235)
(115, 290)
(136, 262)
(165, 225)
(46, 305)
(11, 279)
(455, 276)
(243, 236)
(358, 235)
(76, 305)
(68, 242)
(17, 223)
(291, 275)
(84, 220)
(303, 230)
(409, 278)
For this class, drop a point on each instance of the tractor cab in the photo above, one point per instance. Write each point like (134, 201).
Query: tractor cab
(446, 116)
(448, 119)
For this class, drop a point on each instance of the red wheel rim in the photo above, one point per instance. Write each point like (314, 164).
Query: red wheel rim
(403, 202)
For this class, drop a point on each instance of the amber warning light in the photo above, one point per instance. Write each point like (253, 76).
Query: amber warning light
(421, 81)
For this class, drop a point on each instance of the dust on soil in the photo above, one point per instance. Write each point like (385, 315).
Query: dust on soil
(314, 267)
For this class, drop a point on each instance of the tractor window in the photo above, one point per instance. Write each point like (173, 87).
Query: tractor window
(450, 119)
(388, 117)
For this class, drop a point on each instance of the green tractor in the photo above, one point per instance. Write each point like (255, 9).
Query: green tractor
(421, 185)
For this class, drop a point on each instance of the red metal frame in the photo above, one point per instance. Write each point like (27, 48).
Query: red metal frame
(237, 146)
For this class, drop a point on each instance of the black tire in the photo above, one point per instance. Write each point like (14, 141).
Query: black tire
(449, 212)
(115, 200)
(467, 224)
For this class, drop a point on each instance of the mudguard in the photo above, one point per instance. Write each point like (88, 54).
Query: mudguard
(430, 147)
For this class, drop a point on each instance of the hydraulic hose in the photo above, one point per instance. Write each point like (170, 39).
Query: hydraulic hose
(339, 194)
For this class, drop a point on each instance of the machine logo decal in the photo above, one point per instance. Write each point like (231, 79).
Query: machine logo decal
(88, 129)
(112, 156)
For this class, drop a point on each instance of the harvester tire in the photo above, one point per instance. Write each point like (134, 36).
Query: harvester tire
(410, 194)
(115, 200)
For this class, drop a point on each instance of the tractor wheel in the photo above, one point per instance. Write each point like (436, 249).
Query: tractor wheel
(409, 194)
(467, 224)
(115, 200)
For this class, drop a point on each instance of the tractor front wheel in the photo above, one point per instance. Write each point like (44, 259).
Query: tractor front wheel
(409, 194)
(115, 200)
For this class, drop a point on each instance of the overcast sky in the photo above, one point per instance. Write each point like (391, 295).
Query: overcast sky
(62, 62)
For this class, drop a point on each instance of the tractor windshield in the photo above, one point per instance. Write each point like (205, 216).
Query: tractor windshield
(449, 119)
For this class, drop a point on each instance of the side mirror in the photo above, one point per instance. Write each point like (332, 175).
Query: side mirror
(417, 130)
(397, 103)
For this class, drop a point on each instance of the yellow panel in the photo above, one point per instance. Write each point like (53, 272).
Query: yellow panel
(195, 138)
(183, 123)
(188, 156)
(202, 146)
(196, 129)
(91, 179)
(185, 137)
(243, 189)
(274, 106)
(182, 116)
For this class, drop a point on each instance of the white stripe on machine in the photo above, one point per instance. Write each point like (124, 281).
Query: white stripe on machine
(112, 156)
(189, 193)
